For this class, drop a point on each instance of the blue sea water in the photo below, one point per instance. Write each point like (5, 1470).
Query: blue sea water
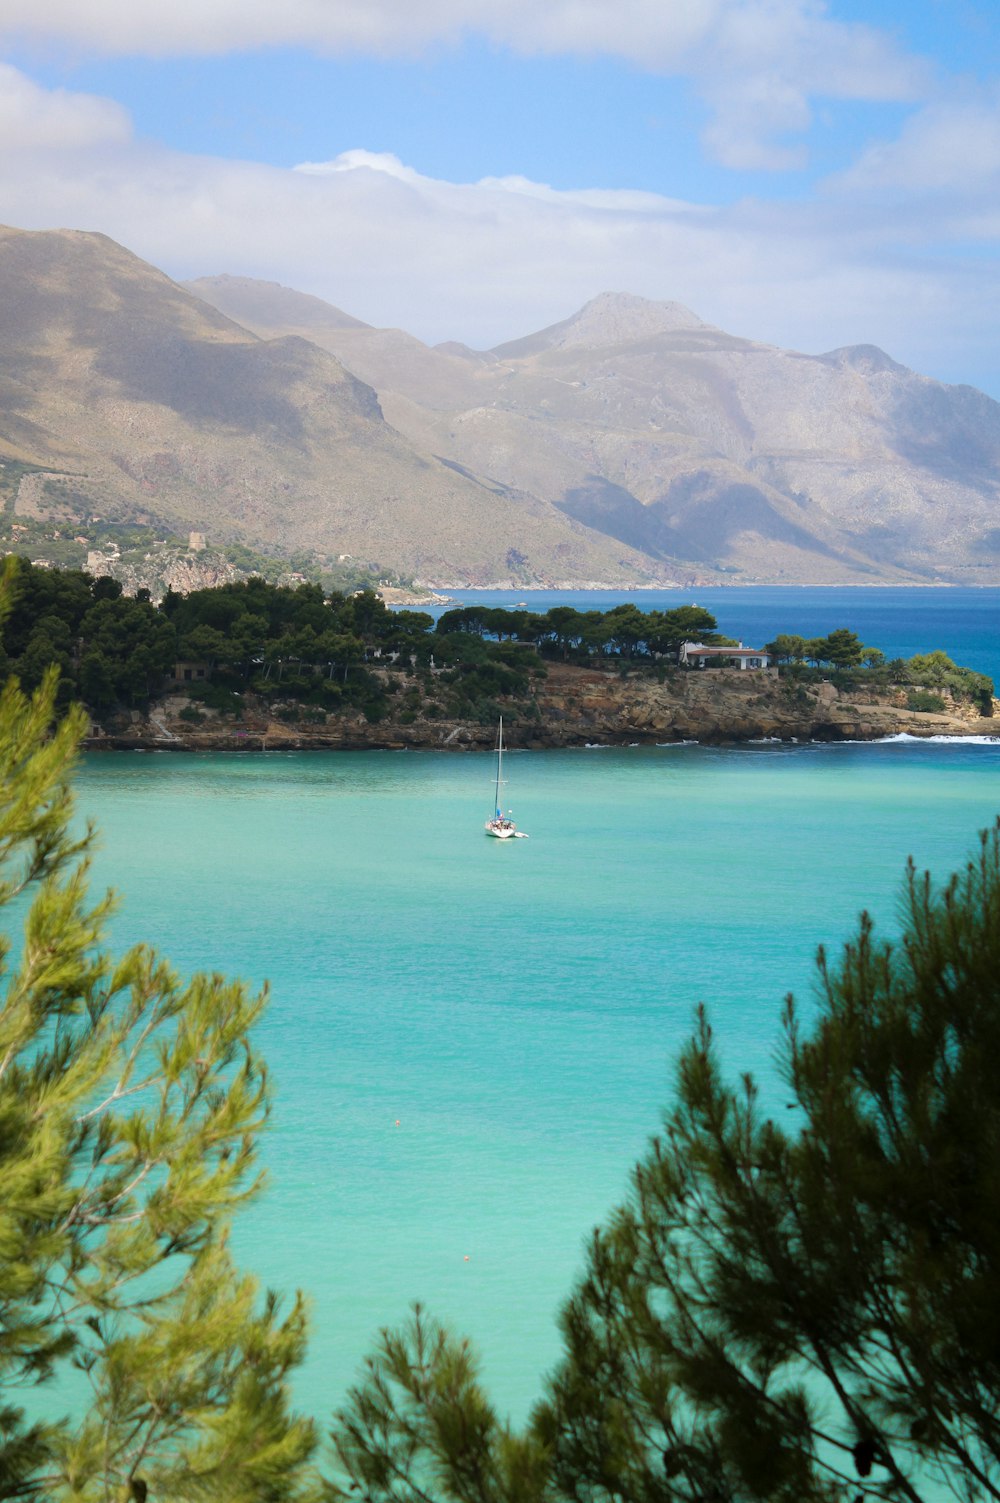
(470, 1040)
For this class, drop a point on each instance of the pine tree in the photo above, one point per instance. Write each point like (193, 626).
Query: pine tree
(803, 1311)
(130, 1107)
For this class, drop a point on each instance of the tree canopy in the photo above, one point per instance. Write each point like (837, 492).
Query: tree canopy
(130, 1108)
(302, 645)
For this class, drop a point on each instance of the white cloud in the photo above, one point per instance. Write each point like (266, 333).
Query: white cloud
(349, 161)
(489, 261)
(31, 116)
(950, 147)
(758, 63)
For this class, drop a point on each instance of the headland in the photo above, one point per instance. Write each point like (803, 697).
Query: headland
(570, 706)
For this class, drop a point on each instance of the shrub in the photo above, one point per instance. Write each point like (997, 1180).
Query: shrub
(923, 699)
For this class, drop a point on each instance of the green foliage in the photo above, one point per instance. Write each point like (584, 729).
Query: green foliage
(130, 1106)
(923, 699)
(841, 649)
(421, 1427)
(799, 1311)
(292, 642)
(936, 670)
(215, 697)
(850, 664)
(578, 635)
(787, 649)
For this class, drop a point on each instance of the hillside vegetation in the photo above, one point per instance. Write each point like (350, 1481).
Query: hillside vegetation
(312, 654)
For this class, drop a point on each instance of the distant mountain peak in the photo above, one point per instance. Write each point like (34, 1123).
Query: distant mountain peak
(611, 318)
(866, 358)
(617, 317)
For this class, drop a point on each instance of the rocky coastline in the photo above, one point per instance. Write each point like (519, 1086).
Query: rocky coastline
(571, 706)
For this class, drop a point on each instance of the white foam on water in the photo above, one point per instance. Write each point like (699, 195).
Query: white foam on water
(905, 738)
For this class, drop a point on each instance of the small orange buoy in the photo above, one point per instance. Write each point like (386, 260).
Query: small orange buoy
(466, 1258)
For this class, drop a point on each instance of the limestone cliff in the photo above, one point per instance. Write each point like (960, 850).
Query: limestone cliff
(571, 707)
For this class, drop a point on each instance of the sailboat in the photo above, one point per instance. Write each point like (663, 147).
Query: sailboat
(500, 825)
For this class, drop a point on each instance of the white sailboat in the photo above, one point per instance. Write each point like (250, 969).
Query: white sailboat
(500, 825)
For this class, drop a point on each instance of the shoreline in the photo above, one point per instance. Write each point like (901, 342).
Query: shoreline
(571, 707)
(114, 746)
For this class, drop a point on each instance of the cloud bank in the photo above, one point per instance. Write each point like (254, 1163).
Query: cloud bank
(489, 261)
(757, 63)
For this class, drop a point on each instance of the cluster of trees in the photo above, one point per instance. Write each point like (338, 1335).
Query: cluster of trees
(799, 1311)
(624, 631)
(844, 654)
(107, 648)
(304, 644)
(841, 649)
(130, 1108)
(111, 649)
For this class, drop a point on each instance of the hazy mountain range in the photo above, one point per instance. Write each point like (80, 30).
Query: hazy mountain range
(629, 442)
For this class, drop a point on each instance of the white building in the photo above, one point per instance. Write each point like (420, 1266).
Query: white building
(697, 655)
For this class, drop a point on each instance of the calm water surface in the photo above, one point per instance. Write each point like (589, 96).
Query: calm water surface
(515, 1006)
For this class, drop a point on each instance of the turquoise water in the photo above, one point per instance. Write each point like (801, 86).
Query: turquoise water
(513, 1005)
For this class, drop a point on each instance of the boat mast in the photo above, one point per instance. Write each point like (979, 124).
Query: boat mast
(496, 801)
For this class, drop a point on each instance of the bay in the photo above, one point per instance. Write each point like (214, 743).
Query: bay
(471, 1040)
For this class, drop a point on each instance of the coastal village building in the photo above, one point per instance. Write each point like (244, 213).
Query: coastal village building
(697, 655)
(187, 673)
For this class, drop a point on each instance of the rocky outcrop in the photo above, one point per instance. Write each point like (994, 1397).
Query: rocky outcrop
(570, 707)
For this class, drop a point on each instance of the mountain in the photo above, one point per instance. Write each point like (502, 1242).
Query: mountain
(125, 397)
(271, 309)
(631, 442)
(685, 443)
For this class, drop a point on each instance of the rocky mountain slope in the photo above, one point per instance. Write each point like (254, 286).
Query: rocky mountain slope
(702, 450)
(125, 397)
(629, 443)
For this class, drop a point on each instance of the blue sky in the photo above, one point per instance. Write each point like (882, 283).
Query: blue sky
(811, 175)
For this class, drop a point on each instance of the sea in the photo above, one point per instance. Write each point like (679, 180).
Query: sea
(472, 1041)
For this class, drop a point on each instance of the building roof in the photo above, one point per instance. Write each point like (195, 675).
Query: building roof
(695, 649)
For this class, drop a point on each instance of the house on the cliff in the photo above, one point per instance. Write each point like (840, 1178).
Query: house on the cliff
(189, 673)
(697, 655)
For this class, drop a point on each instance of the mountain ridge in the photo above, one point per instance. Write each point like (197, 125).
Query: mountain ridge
(629, 442)
(129, 398)
(686, 442)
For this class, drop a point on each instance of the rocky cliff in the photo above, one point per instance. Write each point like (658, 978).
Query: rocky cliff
(571, 707)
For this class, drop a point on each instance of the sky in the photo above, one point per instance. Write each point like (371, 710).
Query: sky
(810, 175)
